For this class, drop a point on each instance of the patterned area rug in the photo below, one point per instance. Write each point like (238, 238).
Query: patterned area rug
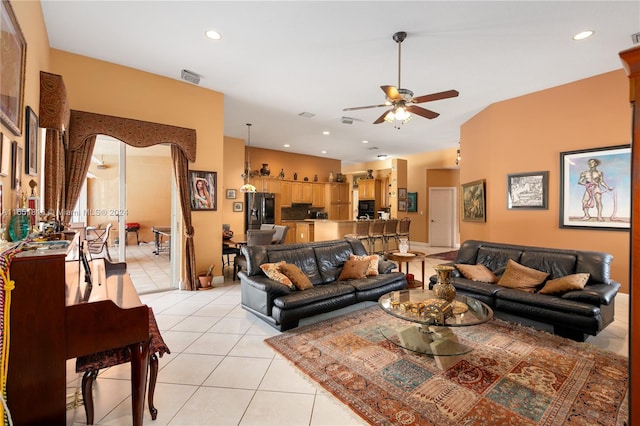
(447, 255)
(514, 376)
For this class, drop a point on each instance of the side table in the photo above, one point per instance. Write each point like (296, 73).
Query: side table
(410, 256)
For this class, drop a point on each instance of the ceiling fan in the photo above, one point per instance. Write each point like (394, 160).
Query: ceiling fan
(402, 101)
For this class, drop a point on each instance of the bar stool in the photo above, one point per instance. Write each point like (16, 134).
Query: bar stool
(376, 232)
(362, 232)
(390, 232)
(403, 229)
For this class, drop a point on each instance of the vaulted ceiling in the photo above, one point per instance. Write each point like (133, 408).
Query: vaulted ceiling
(276, 59)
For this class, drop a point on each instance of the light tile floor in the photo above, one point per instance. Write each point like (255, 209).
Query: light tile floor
(220, 372)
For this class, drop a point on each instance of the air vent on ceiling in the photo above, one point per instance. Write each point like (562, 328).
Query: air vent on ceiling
(190, 76)
(635, 38)
(347, 120)
(306, 114)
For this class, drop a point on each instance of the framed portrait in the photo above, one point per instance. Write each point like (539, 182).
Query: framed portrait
(5, 155)
(402, 193)
(412, 202)
(402, 205)
(14, 60)
(203, 190)
(527, 190)
(237, 206)
(31, 143)
(231, 193)
(16, 165)
(595, 188)
(473, 201)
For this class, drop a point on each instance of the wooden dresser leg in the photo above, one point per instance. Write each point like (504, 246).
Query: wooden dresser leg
(153, 375)
(88, 378)
(139, 367)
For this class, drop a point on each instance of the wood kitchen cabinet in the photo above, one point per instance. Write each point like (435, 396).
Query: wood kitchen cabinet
(369, 189)
(339, 212)
(339, 193)
(285, 194)
(301, 192)
(318, 195)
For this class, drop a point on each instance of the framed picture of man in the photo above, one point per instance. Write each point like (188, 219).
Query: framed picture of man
(203, 190)
(473, 201)
(595, 188)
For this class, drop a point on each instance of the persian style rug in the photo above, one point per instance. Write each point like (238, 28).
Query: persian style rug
(515, 375)
(449, 256)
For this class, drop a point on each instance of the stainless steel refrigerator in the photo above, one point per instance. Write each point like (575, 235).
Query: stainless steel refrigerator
(261, 208)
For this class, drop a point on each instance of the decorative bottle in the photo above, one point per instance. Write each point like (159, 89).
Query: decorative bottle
(443, 288)
(330, 176)
(295, 176)
(264, 171)
(281, 174)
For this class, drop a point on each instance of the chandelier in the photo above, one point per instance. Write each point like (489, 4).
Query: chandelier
(247, 187)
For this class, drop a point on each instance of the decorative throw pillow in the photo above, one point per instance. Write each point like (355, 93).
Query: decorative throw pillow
(354, 270)
(477, 272)
(564, 284)
(297, 277)
(521, 277)
(271, 270)
(373, 259)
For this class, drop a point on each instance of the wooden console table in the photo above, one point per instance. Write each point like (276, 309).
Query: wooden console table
(410, 256)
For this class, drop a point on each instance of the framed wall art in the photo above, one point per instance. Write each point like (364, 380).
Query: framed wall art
(527, 190)
(473, 201)
(231, 193)
(237, 206)
(5, 155)
(402, 205)
(203, 190)
(412, 202)
(14, 60)
(595, 188)
(402, 193)
(16, 165)
(31, 143)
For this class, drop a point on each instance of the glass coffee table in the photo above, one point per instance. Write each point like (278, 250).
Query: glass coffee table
(431, 322)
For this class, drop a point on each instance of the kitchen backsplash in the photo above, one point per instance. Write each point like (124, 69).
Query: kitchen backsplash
(299, 212)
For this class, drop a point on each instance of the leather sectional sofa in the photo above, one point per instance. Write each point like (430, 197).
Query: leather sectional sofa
(574, 314)
(322, 262)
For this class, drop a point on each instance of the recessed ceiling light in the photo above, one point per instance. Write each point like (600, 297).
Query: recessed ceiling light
(323, 152)
(365, 141)
(326, 132)
(213, 35)
(583, 34)
(286, 145)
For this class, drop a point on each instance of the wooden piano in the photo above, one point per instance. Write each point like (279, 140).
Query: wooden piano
(54, 318)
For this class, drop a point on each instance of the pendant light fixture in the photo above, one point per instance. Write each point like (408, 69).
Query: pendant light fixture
(247, 187)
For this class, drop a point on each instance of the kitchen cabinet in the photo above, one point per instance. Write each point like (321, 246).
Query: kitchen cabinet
(269, 185)
(339, 193)
(301, 192)
(285, 194)
(339, 212)
(369, 189)
(318, 195)
(304, 232)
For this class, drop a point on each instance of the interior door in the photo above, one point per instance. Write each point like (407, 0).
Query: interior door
(443, 224)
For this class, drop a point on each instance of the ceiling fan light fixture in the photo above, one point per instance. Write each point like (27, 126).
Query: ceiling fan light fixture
(583, 35)
(402, 114)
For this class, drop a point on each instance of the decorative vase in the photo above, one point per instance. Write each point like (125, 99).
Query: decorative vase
(339, 177)
(403, 245)
(330, 176)
(281, 174)
(443, 288)
(315, 178)
(295, 176)
(370, 174)
(264, 171)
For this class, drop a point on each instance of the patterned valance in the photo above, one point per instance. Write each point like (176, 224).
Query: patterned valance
(54, 105)
(133, 132)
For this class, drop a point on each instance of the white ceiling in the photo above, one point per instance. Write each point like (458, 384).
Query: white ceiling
(277, 59)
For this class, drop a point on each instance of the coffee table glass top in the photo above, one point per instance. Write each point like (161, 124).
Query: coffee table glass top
(423, 307)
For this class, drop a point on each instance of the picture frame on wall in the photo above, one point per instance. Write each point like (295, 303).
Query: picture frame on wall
(473, 201)
(231, 193)
(412, 202)
(402, 205)
(527, 191)
(5, 155)
(16, 166)
(237, 206)
(14, 61)
(595, 188)
(402, 193)
(31, 143)
(203, 190)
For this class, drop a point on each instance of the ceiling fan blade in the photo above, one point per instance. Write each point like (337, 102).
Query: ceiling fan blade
(365, 107)
(422, 112)
(435, 96)
(391, 92)
(381, 118)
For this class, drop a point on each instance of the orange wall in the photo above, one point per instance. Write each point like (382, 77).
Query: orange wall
(103, 87)
(527, 134)
(304, 165)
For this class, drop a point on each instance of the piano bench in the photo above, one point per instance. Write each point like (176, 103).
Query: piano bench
(91, 364)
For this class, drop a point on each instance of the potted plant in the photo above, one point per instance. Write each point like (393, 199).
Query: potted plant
(206, 278)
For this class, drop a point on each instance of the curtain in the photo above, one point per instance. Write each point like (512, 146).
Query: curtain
(77, 161)
(53, 173)
(181, 172)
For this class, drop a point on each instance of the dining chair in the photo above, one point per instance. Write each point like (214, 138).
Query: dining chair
(99, 246)
(281, 234)
(255, 237)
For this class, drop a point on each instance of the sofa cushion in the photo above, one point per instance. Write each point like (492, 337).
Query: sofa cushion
(355, 269)
(555, 263)
(564, 284)
(271, 270)
(331, 260)
(477, 272)
(297, 277)
(521, 277)
(316, 294)
(373, 259)
(302, 256)
(496, 258)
